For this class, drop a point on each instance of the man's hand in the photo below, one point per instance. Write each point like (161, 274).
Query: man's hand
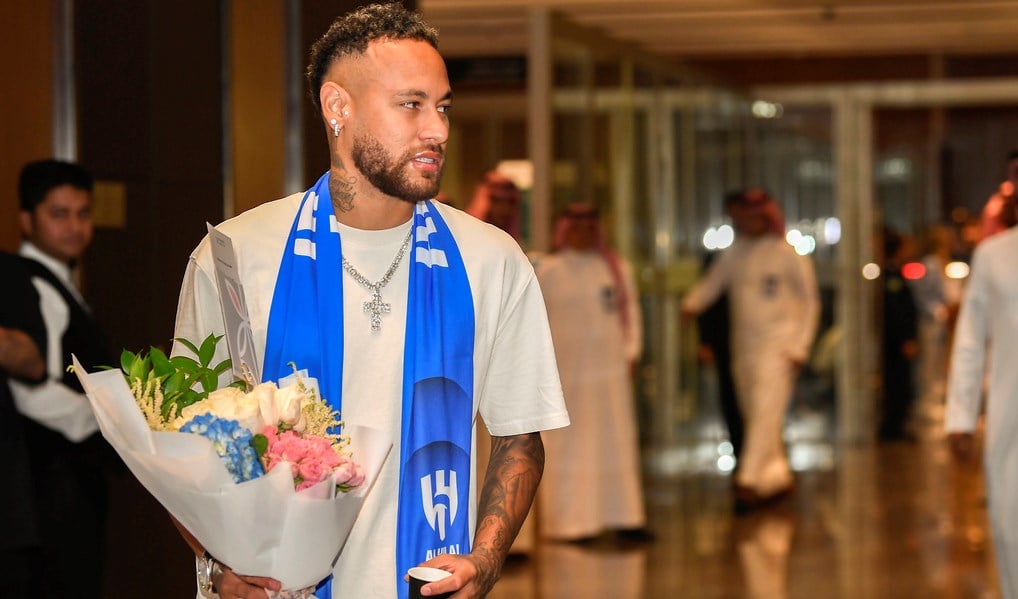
(515, 468)
(19, 356)
(473, 574)
(230, 584)
(467, 580)
(961, 444)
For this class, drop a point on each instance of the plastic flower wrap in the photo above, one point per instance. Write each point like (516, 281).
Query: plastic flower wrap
(267, 479)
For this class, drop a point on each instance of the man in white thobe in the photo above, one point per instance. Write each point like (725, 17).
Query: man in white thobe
(592, 481)
(987, 333)
(775, 309)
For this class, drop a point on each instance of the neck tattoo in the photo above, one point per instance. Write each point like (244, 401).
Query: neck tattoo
(341, 189)
(376, 307)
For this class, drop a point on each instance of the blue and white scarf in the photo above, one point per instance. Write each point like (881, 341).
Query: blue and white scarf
(306, 327)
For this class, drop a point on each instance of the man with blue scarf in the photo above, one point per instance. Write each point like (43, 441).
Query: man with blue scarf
(413, 316)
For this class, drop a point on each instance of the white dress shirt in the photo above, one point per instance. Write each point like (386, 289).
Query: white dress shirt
(51, 403)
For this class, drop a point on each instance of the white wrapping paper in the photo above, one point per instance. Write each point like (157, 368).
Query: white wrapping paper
(261, 527)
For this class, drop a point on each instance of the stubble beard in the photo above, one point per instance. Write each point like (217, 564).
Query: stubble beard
(389, 175)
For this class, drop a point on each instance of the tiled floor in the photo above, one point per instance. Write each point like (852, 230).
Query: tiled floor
(897, 520)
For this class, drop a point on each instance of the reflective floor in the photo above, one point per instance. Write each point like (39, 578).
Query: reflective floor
(894, 520)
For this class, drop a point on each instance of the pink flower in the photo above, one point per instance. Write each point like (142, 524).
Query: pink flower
(312, 459)
(349, 473)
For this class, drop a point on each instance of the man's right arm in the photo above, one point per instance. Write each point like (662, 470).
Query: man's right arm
(19, 356)
(708, 289)
(50, 402)
(965, 379)
(508, 490)
(22, 331)
(226, 583)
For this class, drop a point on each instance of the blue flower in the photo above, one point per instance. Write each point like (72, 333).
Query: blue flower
(232, 443)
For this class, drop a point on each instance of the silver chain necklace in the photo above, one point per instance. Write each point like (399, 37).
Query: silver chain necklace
(375, 306)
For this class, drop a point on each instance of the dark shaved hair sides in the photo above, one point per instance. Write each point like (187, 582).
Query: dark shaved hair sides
(351, 33)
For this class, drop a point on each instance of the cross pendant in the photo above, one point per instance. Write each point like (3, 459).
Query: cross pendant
(376, 307)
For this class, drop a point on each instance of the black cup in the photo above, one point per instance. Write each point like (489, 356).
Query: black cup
(421, 576)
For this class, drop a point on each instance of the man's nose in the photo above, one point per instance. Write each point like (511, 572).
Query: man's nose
(436, 127)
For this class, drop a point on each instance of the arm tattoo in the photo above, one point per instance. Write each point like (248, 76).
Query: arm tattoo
(341, 188)
(510, 483)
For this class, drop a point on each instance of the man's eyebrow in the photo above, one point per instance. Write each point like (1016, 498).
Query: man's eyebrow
(421, 94)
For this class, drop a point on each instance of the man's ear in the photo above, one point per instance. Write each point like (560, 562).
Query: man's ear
(25, 222)
(335, 101)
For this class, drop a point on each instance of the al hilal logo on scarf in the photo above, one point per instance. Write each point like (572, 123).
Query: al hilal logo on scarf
(441, 526)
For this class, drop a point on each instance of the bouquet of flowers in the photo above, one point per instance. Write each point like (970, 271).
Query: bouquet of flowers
(252, 432)
(266, 480)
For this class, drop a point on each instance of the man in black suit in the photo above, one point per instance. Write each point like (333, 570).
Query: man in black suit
(69, 457)
(22, 343)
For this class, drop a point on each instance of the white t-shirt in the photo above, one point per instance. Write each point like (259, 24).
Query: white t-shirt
(516, 382)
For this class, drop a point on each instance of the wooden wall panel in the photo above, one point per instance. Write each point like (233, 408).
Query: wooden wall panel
(26, 102)
(149, 80)
(150, 117)
(257, 101)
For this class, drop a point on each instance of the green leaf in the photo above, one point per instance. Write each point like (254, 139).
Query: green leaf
(185, 364)
(223, 366)
(189, 397)
(260, 443)
(168, 403)
(208, 350)
(139, 369)
(160, 363)
(175, 383)
(126, 360)
(190, 380)
(186, 343)
(209, 380)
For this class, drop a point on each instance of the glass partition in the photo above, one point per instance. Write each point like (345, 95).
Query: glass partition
(658, 160)
(657, 156)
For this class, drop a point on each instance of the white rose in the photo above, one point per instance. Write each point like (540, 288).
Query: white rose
(265, 395)
(233, 404)
(289, 401)
(229, 403)
(195, 409)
